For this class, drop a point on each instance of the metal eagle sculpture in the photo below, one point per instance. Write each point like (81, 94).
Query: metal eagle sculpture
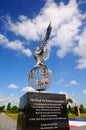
(41, 53)
(40, 77)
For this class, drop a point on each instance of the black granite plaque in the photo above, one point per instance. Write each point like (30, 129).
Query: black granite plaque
(42, 111)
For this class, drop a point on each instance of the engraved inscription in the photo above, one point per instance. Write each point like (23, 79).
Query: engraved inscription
(48, 112)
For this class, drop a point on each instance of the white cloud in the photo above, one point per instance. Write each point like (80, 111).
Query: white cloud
(81, 2)
(3, 39)
(27, 51)
(80, 50)
(64, 24)
(14, 45)
(62, 92)
(66, 28)
(60, 81)
(13, 86)
(0, 92)
(28, 89)
(72, 83)
(11, 98)
(84, 91)
(4, 100)
(73, 94)
(75, 102)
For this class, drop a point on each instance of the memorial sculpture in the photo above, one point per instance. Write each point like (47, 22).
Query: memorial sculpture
(40, 77)
(38, 110)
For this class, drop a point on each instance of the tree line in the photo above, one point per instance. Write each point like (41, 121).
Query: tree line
(9, 108)
(75, 109)
(71, 109)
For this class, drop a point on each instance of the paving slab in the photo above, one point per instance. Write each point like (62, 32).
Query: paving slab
(6, 123)
(79, 128)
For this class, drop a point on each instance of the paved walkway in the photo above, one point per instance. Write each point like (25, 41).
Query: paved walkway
(7, 123)
(80, 128)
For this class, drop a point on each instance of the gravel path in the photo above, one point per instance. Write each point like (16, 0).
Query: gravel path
(7, 123)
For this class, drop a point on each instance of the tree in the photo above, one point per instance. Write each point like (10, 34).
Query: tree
(2, 108)
(9, 107)
(14, 109)
(81, 108)
(69, 109)
(69, 100)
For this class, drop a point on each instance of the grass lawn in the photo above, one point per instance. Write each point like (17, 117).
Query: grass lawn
(13, 116)
(82, 115)
(70, 115)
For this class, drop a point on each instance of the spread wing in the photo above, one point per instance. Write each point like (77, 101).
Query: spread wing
(48, 32)
(44, 42)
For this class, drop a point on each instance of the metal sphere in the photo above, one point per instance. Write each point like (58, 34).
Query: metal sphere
(40, 78)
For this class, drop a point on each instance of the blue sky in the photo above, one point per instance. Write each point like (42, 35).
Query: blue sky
(23, 25)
